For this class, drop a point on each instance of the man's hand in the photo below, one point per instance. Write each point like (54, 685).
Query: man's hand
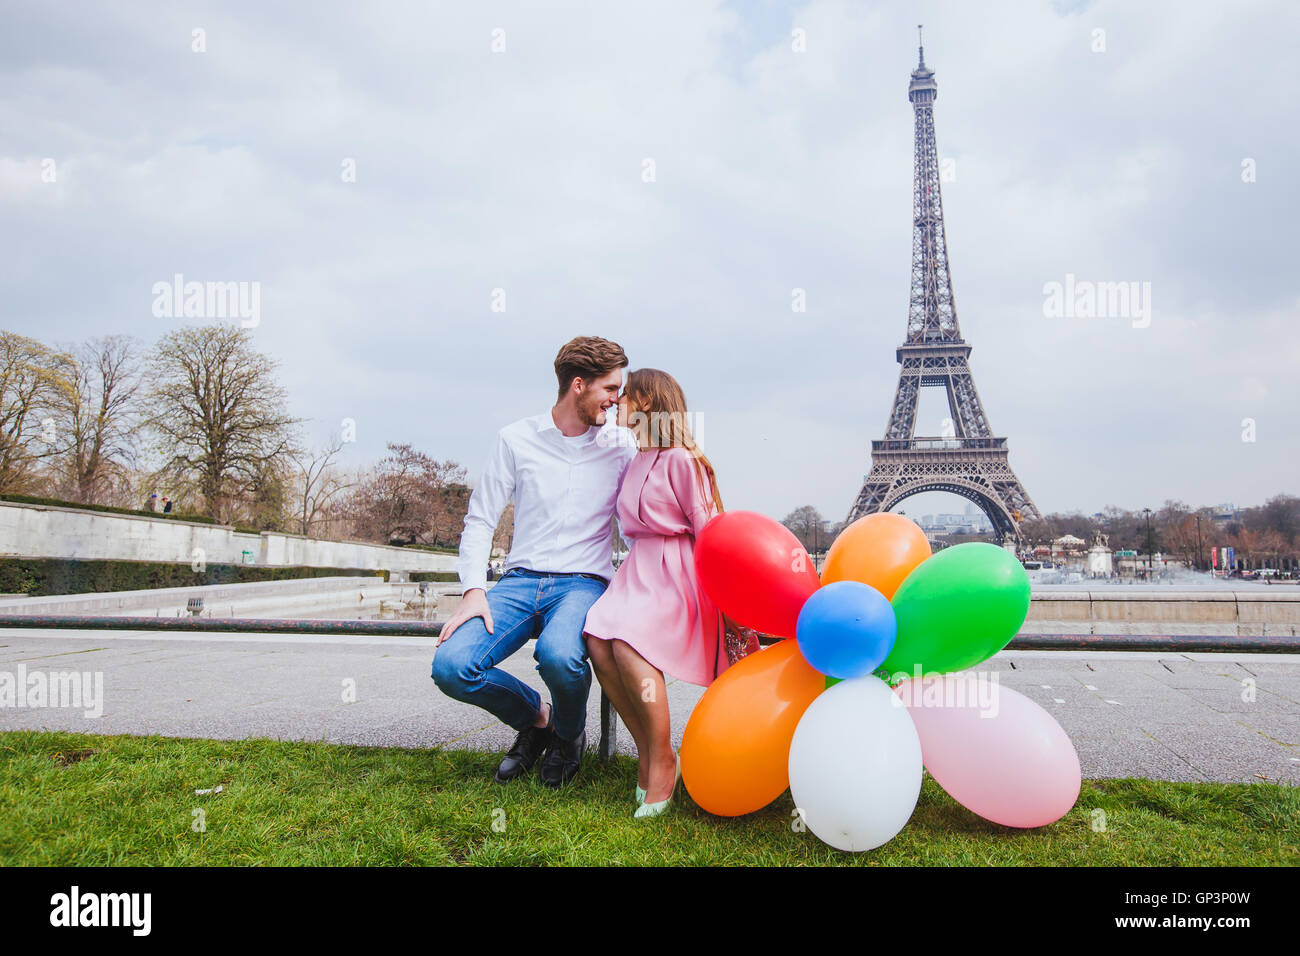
(473, 604)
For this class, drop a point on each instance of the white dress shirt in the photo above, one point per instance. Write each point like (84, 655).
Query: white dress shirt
(564, 490)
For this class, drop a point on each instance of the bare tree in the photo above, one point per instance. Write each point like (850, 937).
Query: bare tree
(100, 418)
(1181, 537)
(268, 503)
(1246, 544)
(807, 524)
(217, 413)
(35, 383)
(447, 517)
(1039, 532)
(319, 483)
(1126, 529)
(1281, 513)
(400, 500)
(1274, 545)
(504, 535)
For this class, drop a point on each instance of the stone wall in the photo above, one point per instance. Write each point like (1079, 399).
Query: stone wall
(47, 531)
(311, 597)
(1255, 613)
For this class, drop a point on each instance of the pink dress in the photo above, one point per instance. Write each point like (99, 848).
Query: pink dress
(655, 603)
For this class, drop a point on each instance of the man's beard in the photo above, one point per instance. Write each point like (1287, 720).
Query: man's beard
(591, 415)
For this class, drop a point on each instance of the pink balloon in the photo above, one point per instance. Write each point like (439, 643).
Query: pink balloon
(992, 749)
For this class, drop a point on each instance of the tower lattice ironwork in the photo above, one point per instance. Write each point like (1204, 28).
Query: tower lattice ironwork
(965, 458)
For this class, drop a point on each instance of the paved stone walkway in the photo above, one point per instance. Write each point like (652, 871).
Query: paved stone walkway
(1162, 716)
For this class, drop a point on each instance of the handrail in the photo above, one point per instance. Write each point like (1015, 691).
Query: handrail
(1179, 643)
(1206, 643)
(238, 625)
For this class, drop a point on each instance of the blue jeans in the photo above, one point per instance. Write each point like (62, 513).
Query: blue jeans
(525, 605)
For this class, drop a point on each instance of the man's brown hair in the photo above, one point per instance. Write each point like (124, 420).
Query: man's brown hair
(587, 357)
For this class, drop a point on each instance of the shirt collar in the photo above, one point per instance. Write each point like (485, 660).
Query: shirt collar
(546, 423)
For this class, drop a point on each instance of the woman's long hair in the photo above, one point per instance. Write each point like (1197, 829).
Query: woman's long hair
(659, 417)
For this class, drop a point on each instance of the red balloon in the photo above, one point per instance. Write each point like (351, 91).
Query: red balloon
(755, 570)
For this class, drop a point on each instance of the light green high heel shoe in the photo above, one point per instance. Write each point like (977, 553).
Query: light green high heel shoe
(640, 795)
(654, 809)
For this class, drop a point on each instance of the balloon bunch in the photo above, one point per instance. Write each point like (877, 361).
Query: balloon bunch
(863, 692)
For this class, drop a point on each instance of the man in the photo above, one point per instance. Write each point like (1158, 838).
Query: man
(564, 471)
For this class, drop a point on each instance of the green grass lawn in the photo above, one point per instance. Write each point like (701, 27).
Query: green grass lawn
(79, 800)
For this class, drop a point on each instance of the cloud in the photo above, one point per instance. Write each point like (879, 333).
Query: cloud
(523, 170)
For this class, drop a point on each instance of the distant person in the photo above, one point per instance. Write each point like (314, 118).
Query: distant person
(167, 505)
(153, 502)
(563, 473)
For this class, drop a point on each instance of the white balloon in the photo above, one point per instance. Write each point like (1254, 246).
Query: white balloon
(855, 765)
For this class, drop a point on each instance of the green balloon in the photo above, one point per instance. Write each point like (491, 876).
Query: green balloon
(958, 608)
(880, 672)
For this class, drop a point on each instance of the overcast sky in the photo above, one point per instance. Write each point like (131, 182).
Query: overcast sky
(523, 169)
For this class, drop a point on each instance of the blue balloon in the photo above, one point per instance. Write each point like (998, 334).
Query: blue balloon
(846, 629)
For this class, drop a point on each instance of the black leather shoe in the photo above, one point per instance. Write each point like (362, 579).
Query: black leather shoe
(562, 760)
(529, 745)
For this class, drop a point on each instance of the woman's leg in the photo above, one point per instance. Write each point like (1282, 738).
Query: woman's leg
(601, 653)
(644, 684)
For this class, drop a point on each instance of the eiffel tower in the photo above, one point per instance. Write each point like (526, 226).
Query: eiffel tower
(965, 459)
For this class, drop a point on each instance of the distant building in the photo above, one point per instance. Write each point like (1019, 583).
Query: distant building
(973, 521)
(1067, 544)
(1226, 512)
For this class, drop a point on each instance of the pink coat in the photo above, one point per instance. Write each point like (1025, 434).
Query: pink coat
(655, 603)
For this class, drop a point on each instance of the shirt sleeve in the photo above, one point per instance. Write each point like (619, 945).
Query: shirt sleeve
(490, 496)
(695, 500)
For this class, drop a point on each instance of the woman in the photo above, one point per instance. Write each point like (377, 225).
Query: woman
(654, 617)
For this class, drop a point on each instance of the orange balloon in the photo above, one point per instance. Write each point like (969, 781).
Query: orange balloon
(879, 550)
(736, 746)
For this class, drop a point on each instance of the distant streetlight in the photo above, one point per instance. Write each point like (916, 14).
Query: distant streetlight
(1147, 512)
(1199, 547)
